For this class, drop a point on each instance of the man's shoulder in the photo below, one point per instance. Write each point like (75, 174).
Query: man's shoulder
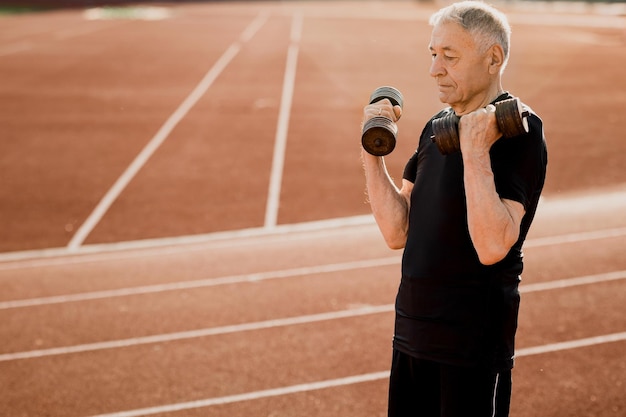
(441, 113)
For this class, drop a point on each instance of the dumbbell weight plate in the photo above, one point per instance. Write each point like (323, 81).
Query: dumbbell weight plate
(390, 93)
(445, 134)
(511, 117)
(379, 133)
(379, 136)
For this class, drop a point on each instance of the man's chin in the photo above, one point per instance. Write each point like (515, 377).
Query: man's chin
(448, 99)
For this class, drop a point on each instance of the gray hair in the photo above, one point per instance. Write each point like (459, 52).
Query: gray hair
(486, 24)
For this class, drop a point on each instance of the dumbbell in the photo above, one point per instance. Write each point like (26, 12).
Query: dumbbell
(379, 133)
(510, 116)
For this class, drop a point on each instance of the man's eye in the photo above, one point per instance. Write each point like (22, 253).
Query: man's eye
(445, 57)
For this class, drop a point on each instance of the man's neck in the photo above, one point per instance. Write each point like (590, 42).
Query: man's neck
(480, 100)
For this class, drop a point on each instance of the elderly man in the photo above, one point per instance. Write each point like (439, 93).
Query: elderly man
(462, 219)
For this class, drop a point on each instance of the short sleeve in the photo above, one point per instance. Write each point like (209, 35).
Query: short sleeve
(410, 169)
(519, 164)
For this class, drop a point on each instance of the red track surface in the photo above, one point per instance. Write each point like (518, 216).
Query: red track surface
(268, 307)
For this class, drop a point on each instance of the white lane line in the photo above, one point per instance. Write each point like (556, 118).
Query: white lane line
(614, 201)
(351, 380)
(254, 27)
(293, 389)
(573, 282)
(210, 282)
(289, 321)
(103, 206)
(128, 13)
(169, 246)
(575, 237)
(282, 128)
(172, 245)
(277, 274)
(571, 344)
(192, 334)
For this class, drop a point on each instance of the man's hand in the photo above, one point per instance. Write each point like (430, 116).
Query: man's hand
(478, 131)
(382, 108)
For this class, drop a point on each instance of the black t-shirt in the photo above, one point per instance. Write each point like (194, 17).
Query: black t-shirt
(451, 308)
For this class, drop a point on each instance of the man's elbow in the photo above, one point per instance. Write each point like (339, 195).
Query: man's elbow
(395, 245)
(492, 249)
(493, 254)
(490, 258)
(397, 241)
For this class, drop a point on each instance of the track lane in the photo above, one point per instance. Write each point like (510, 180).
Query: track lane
(569, 325)
(189, 262)
(57, 324)
(256, 279)
(141, 376)
(141, 367)
(137, 316)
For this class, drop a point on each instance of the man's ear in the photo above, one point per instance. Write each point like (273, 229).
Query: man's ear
(496, 59)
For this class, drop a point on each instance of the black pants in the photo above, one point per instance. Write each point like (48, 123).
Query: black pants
(420, 388)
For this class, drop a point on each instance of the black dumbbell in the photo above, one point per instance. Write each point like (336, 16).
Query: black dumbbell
(510, 116)
(379, 133)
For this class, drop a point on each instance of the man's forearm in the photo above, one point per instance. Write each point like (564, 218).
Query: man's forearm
(390, 205)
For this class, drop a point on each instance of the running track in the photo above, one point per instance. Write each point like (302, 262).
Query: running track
(185, 227)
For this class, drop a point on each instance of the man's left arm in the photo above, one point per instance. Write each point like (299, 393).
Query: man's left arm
(494, 222)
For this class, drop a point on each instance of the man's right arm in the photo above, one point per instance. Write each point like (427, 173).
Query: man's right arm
(390, 205)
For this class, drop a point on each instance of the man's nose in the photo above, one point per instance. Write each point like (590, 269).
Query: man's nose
(436, 69)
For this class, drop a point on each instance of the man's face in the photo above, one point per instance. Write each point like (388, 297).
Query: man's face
(461, 71)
